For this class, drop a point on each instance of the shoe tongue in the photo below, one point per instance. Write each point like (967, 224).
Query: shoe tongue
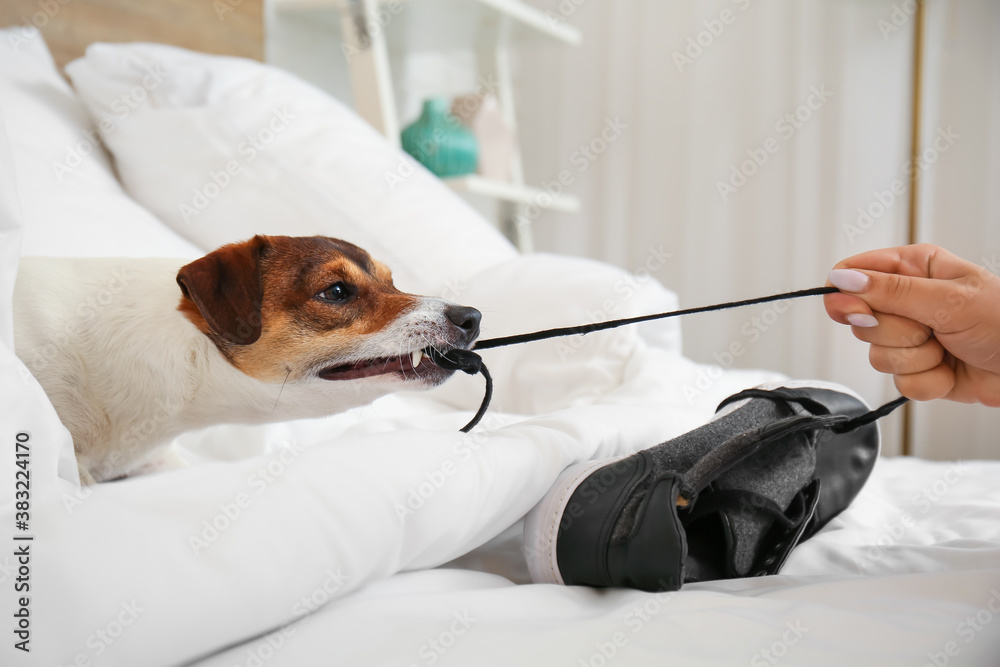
(777, 472)
(679, 454)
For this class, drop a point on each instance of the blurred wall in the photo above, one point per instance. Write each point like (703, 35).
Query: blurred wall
(959, 205)
(758, 143)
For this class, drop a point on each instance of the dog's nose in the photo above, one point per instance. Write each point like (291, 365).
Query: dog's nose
(465, 318)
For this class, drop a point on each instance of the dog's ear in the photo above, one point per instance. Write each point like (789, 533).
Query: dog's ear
(226, 287)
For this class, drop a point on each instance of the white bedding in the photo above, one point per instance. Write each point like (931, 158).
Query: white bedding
(384, 536)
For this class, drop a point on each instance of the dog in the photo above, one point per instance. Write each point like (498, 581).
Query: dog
(133, 352)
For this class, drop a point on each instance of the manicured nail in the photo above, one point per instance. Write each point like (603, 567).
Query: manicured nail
(848, 280)
(862, 319)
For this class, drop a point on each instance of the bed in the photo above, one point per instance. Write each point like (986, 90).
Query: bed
(344, 541)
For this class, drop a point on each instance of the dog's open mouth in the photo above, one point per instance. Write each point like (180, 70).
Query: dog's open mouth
(413, 365)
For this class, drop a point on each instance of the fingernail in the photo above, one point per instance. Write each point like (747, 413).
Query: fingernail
(862, 319)
(848, 280)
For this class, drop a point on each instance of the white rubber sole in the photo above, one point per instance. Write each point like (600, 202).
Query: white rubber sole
(541, 524)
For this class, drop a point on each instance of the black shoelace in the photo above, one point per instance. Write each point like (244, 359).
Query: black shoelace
(470, 362)
(736, 449)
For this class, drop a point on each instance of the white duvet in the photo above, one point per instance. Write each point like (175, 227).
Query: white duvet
(384, 536)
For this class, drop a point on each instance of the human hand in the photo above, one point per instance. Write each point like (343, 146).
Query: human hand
(932, 319)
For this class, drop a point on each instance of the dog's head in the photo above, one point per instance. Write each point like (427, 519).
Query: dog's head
(303, 309)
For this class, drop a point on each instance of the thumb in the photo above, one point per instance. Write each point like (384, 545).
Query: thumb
(925, 300)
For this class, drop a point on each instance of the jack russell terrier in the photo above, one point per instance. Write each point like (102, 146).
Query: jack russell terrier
(133, 352)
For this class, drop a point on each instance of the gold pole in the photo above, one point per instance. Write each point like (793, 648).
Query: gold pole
(911, 227)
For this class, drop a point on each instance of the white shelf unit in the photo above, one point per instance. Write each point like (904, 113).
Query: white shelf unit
(512, 192)
(486, 27)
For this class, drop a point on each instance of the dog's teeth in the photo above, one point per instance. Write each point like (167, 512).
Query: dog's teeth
(415, 357)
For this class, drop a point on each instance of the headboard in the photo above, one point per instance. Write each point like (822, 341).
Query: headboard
(230, 27)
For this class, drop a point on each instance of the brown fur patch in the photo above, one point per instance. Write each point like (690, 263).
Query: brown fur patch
(298, 329)
(226, 285)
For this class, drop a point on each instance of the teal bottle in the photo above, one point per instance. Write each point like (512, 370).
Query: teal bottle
(440, 142)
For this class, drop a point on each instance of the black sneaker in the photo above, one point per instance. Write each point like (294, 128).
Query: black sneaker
(729, 499)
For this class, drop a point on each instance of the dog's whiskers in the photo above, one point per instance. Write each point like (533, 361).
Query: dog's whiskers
(281, 389)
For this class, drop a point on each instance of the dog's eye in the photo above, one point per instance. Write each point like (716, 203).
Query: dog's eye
(336, 292)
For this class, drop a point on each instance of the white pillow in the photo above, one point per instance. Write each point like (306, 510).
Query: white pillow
(540, 291)
(222, 148)
(71, 202)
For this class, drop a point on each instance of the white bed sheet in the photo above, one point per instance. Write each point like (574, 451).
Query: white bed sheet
(315, 521)
(896, 580)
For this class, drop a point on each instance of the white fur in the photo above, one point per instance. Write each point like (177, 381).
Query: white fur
(127, 372)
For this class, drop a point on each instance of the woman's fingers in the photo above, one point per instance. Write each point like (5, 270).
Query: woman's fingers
(937, 382)
(906, 360)
(840, 307)
(921, 282)
(892, 331)
(925, 300)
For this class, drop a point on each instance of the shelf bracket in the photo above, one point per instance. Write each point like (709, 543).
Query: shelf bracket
(368, 61)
